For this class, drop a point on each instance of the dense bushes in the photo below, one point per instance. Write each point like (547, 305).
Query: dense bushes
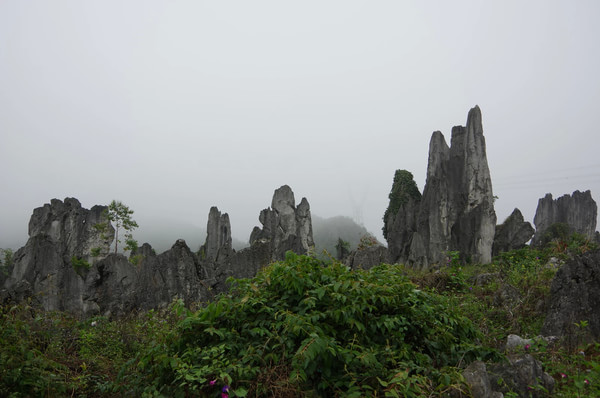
(304, 327)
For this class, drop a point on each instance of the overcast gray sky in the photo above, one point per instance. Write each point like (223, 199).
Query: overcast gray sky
(176, 106)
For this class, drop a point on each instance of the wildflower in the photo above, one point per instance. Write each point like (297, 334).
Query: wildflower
(212, 382)
(224, 392)
(527, 347)
(562, 375)
(225, 389)
(586, 381)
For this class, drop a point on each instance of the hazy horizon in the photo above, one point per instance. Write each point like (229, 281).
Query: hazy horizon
(174, 107)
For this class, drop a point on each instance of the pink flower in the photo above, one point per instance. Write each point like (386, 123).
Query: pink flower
(586, 381)
(224, 395)
(527, 346)
(564, 376)
(212, 382)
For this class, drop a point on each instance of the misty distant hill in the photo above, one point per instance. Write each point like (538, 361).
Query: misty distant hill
(327, 231)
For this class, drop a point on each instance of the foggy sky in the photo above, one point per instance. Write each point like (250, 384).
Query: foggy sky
(176, 106)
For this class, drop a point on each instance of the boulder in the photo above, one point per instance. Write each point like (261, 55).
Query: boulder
(513, 233)
(575, 298)
(521, 374)
(578, 211)
(367, 257)
(478, 380)
(456, 210)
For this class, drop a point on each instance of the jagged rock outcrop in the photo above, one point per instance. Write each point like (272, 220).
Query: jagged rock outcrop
(61, 236)
(513, 233)
(400, 218)
(218, 236)
(575, 297)
(578, 211)
(456, 210)
(367, 257)
(174, 274)
(65, 266)
(285, 226)
(71, 228)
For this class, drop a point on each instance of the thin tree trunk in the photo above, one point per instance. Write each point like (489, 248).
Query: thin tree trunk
(116, 238)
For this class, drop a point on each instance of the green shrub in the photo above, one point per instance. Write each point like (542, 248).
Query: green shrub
(305, 328)
(80, 265)
(26, 365)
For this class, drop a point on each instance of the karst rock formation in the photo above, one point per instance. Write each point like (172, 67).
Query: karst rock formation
(285, 226)
(578, 211)
(66, 264)
(456, 210)
(513, 233)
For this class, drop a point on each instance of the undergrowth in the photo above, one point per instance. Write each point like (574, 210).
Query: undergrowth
(303, 327)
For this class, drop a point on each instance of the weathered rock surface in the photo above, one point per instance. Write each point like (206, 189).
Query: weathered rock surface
(513, 233)
(285, 226)
(575, 297)
(65, 266)
(367, 257)
(578, 211)
(58, 233)
(174, 274)
(520, 374)
(218, 237)
(456, 211)
(478, 379)
(400, 219)
(71, 228)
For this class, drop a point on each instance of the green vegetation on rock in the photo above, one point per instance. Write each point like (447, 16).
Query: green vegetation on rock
(404, 189)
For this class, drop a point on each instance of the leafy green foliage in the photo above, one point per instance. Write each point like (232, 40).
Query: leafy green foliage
(325, 329)
(404, 189)
(304, 328)
(27, 366)
(80, 265)
(52, 354)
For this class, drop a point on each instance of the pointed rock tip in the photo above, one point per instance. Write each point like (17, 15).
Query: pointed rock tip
(474, 117)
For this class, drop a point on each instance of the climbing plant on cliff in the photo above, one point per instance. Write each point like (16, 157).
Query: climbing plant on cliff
(120, 214)
(404, 189)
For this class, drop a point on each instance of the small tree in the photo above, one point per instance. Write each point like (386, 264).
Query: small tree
(120, 214)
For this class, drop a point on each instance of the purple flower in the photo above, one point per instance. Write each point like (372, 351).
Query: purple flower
(225, 389)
